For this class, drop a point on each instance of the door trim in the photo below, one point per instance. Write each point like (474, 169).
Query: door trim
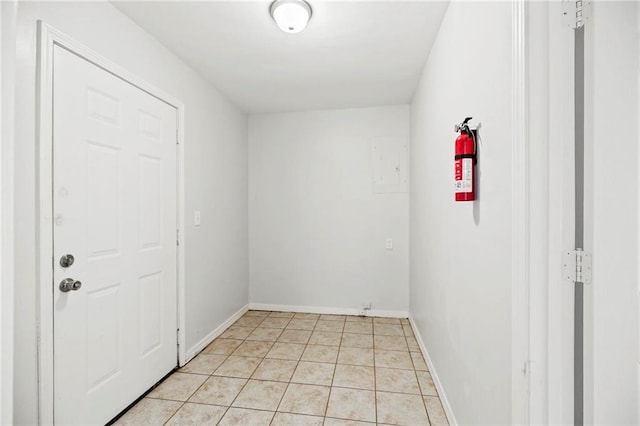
(48, 37)
(520, 218)
(8, 18)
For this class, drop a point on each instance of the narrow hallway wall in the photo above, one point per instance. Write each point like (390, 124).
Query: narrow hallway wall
(460, 274)
(216, 176)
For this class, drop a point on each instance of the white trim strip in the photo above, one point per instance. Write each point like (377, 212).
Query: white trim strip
(434, 375)
(327, 310)
(519, 220)
(204, 342)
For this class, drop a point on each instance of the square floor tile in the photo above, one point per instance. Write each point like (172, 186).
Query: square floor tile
(222, 346)
(358, 327)
(288, 419)
(328, 338)
(234, 332)
(355, 356)
(275, 322)
(313, 373)
(394, 380)
(295, 336)
(276, 314)
(392, 343)
(412, 343)
(197, 414)
(380, 320)
(408, 331)
(435, 411)
(418, 362)
(218, 390)
(393, 359)
(388, 329)
(261, 314)
(332, 317)
(330, 421)
(303, 315)
(238, 366)
(352, 318)
(354, 376)
(427, 386)
(357, 340)
(286, 351)
(249, 321)
(260, 395)
(253, 348)
(400, 409)
(320, 353)
(275, 369)
(305, 399)
(265, 334)
(203, 364)
(352, 404)
(178, 386)
(149, 411)
(244, 417)
(301, 324)
(324, 325)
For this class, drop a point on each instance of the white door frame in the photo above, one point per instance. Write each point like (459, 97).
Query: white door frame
(49, 37)
(520, 220)
(8, 18)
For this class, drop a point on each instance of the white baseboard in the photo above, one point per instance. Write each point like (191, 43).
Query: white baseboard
(327, 310)
(434, 375)
(204, 342)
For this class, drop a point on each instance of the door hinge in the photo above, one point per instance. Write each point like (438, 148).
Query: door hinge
(177, 237)
(577, 266)
(576, 13)
(177, 137)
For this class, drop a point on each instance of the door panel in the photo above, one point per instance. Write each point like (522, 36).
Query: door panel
(114, 198)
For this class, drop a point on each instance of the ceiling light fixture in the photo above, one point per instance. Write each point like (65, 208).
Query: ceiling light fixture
(291, 16)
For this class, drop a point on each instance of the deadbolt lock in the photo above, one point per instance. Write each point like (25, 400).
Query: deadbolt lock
(66, 260)
(69, 284)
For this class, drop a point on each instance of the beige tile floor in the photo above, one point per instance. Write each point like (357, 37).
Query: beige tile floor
(280, 368)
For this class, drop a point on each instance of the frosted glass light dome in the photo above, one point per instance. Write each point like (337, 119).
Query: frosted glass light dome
(291, 16)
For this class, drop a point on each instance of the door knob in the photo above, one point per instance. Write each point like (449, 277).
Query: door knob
(69, 284)
(66, 260)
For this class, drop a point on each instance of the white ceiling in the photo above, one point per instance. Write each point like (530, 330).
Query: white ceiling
(352, 54)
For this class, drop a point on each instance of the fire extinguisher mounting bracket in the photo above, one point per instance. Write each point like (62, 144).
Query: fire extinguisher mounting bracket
(465, 127)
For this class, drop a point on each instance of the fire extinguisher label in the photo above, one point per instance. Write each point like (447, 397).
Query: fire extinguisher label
(464, 175)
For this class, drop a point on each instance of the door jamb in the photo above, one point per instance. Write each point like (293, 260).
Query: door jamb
(48, 37)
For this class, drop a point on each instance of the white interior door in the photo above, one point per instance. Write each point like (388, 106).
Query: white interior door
(114, 210)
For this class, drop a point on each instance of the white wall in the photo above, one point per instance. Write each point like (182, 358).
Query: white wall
(460, 290)
(216, 175)
(317, 231)
(612, 372)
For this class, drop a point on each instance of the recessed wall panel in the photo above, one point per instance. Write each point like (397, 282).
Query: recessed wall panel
(103, 107)
(150, 313)
(150, 202)
(102, 336)
(150, 126)
(103, 200)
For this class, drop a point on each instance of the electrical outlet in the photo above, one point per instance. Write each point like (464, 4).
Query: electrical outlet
(389, 244)
(196, 218)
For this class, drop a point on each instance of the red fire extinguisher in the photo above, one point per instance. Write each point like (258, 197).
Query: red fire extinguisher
(465, 162)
